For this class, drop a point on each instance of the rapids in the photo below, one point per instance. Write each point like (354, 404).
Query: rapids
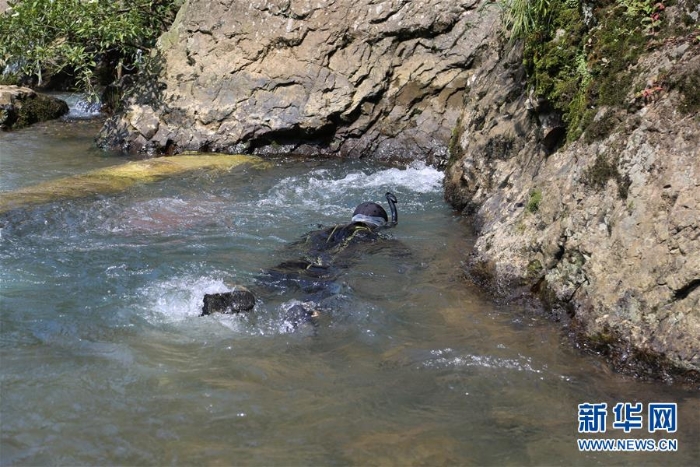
(105, 359)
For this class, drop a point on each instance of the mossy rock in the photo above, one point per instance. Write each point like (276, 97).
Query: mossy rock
(578, 65)
(116, 179)
(687, 83)
(21, 107)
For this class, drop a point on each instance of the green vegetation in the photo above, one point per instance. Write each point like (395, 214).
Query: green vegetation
(522, 17)
(688, 85)
(77, 39)
(533, 204)
(579, 55)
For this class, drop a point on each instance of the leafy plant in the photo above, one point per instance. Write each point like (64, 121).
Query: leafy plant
(579, 55)
(521, 17)
(648, 11)
(40, 38)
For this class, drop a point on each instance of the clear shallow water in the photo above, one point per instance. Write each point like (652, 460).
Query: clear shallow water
(50, 150)
(105, 360)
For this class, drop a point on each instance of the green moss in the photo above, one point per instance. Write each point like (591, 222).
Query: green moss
(534, 269)
(602, 342)
(600, 129)
(687, 85)
(602, 170)
(555, 60)
(9, 79)
(577, 68)
(533, 204)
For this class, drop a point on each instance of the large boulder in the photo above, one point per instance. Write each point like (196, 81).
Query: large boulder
(20, 107)
(350, 78)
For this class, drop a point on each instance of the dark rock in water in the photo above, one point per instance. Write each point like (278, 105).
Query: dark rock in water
(300, 314)
(20, 107)
(236, 301)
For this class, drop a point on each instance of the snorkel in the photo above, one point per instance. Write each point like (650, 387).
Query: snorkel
(391, 199)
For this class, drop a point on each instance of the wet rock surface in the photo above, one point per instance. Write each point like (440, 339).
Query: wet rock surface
(607, 233)
(236, 301)
(362, 78)
(20, 107)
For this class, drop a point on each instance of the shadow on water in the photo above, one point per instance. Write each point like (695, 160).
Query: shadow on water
(106, 361)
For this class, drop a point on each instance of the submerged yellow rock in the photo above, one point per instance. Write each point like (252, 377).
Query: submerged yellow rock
(115, 179)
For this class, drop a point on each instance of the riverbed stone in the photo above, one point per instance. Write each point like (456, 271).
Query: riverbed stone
(361, 78)
(616, 261)
(20, 107)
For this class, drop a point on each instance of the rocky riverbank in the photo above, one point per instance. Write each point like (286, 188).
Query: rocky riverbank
(601, 224)
(604, 230)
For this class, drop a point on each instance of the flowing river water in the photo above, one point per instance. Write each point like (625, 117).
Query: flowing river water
(105, 361)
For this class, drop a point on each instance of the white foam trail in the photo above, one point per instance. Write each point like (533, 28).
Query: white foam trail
(446, 358)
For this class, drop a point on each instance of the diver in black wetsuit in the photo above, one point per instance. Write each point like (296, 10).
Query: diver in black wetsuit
(323, 254)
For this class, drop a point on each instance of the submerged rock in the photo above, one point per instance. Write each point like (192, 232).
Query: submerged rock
(330, 77)
(112, 180)
(20, 107)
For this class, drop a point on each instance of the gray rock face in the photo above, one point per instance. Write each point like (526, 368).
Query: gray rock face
(349, 78)
(608, 233)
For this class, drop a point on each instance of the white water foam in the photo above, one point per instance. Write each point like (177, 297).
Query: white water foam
(80, 106)
(418, 178)
(179, 298)
(445, 358)
(320, 191)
